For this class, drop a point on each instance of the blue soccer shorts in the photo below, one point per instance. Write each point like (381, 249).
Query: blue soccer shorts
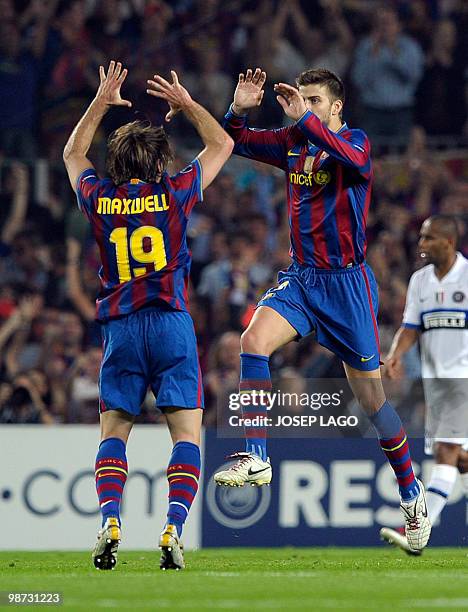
(339, 305)
(152, 347)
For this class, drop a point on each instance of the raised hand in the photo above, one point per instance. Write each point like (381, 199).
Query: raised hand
(174, 93)
(109, 87)
(291, 100)
(249, 91)
(30, 307)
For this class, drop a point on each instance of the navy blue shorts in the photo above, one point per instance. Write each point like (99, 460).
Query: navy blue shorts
(339, 305)
(153, 347)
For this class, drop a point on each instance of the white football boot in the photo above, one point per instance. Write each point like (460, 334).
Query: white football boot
(417, 523)
(105, 551)
(172, 550)
(248, 469)
(398, 539)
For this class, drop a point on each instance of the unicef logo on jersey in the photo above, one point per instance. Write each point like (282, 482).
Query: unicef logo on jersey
(237, 507)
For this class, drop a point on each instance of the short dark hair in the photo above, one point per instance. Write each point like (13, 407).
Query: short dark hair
(138, 150)
(447, 226)
(322, 76)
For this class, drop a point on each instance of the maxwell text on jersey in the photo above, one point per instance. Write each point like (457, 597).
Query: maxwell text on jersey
(124, 206)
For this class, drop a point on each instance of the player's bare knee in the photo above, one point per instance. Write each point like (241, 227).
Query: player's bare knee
(116, 424)
(462, 464)
(253, 342)
(446, 453)
(370, 407)
(370, 397)
(193, 438)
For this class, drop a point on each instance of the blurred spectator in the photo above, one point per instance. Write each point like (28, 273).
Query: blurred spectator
(153, 53)
(209, 84)
(386, 71)
(73, 63)
(440, 108)
(272, 49)
(14, 202)
(24, 351)
(85, 390)
(76, 292)
(27, 263)
(230, 285)
(113, 27)
(223, 373)
(330, 46)
(25, 403)
(419, 23)
(19, 79)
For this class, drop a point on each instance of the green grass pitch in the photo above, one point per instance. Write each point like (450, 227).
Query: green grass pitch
(249, 579)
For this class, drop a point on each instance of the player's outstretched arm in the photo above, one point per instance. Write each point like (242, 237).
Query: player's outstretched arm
(107, 95)
(268, 146)
(218, 144)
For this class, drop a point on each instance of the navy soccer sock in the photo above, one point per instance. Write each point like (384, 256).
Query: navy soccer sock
(111, 474)
(255, 377)
(183, 473)
(393, 441)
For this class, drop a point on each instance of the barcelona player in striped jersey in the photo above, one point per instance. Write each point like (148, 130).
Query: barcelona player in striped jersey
(328, 288)
(139, 217)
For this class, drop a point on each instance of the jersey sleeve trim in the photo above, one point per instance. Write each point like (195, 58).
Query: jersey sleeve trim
(230, 113)
(411, 325)
(197, 163)
(88, 173)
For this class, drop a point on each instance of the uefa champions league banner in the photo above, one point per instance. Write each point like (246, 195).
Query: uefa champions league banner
(324, 492)
(47, 493)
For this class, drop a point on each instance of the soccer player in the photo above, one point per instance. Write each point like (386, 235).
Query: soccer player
(139, 217)
(329, 287)
(435, 314)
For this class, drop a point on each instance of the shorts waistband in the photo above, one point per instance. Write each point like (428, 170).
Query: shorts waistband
(303, 269)
(156, 306)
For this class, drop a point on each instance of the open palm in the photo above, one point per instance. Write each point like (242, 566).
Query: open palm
(174, 93)
(110, 84)
(291, 100)
(249, 90)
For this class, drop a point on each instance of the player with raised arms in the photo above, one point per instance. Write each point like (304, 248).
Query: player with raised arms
(139, 218)
(328, 288)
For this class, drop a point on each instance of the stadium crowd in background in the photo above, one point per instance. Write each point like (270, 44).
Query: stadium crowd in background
(49, 53)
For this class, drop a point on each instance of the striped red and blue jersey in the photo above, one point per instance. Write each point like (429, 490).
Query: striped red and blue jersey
(328, 184)
(140, 229)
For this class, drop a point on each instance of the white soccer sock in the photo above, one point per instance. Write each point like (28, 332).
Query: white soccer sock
(443, 478)
(464, 481)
